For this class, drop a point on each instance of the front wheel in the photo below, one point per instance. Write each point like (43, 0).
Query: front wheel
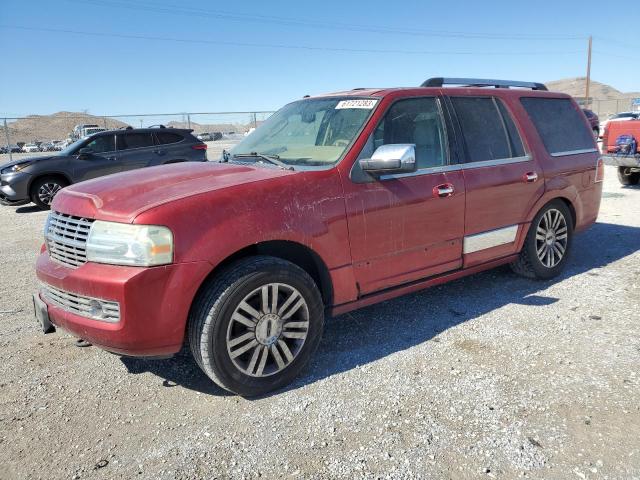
(547, 244)
(45, 189)
(627, 177)
(254, 328)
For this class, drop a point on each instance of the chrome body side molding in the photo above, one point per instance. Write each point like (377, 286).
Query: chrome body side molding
(492, 238)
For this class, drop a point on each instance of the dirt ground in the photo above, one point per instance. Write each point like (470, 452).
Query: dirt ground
(492, 376)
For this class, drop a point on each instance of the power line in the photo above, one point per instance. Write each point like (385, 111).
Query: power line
(289, 21)
(279, 46)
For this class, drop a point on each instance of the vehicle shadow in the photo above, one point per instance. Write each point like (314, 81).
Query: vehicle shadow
(366, 335)
(28, 209)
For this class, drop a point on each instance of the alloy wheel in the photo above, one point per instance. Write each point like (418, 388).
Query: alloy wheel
(47, 191)
(267, 329)
(551, 238)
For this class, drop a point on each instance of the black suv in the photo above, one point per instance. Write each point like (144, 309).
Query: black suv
(38, 179)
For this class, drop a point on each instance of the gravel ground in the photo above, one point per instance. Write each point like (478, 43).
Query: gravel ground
(492, 376)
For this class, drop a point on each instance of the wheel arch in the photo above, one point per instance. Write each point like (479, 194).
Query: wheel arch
(40, 176)
(294, 252)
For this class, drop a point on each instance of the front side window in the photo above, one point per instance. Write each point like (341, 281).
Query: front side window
(312, 132)
(487, 128)
(102, 144)
(561, 125)
(416, 121)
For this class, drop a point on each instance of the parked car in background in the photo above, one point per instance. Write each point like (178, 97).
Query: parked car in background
(621, 148)
(39, 179)
(334, 203)
(16, 149)
(30, 148)
(619, 117)
(205, 137)
(78, 130)
(594, 121)
(46, 147)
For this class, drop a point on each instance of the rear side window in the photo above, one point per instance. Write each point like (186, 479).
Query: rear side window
(134, 140)
(167, 137)
(487, 129)
(560, 125)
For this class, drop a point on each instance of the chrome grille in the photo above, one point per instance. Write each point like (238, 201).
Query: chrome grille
(95, 308)
(66, 238)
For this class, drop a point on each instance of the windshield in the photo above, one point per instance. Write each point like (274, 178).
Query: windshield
(71, 149)
(309, 132)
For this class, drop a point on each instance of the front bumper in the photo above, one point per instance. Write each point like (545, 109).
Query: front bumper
(14, 187)
(154, 303)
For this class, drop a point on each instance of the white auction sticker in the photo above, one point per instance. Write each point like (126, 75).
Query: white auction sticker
(367, 104)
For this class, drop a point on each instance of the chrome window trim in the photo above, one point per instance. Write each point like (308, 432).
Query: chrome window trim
(574, 152)
(489, 239)
(459, 166)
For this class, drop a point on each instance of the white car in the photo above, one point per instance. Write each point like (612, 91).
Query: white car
(618, 117)
(30, 148)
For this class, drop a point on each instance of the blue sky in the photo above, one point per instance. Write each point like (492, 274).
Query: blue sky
(48, 71)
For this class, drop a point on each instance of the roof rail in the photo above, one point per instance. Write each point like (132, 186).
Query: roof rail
(481, 82)
(159, 125)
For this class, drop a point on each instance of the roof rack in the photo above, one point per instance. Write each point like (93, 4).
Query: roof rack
(481, 82)
(159, 125)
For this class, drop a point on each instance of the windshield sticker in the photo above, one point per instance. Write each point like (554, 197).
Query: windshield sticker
(361, 103)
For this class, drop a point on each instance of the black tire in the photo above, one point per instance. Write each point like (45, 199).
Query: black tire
(529, 263)
(626, 177)
(51, 184)
(211, 316)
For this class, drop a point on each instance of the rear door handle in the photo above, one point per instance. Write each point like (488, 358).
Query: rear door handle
(443, 190)
(530, 177)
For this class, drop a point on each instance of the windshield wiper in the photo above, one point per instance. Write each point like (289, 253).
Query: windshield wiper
(273, 159)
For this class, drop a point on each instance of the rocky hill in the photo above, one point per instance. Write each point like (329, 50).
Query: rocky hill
(598, 91)
(57, 126)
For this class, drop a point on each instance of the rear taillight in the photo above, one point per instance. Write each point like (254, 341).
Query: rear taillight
(199, 146)
(600, 170)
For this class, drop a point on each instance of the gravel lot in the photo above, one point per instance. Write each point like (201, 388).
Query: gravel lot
(492, 376)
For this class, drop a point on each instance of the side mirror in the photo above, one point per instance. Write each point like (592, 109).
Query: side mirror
(392, 158)
(84, 153)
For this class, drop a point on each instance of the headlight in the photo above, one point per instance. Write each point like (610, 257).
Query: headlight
(15, 168)
(125, 244)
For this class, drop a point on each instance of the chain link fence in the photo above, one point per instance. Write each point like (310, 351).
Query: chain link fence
(39, 134)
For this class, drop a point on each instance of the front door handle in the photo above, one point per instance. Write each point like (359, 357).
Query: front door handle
(443, 191)
(530, 177)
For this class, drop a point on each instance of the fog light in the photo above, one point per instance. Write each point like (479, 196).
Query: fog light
(96, 309)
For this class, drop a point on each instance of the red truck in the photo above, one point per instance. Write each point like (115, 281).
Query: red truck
(629, 163)
(334, 203)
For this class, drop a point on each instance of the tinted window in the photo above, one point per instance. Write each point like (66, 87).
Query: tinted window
(104, 143)
(134, 140)
(483, 129)
(515, 142)
(561, 126)
(414, 121)
(168, 137)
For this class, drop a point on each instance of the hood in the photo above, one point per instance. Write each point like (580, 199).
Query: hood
(123, 196)
(25, 160)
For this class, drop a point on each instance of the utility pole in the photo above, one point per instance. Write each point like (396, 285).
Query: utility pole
(586, 101)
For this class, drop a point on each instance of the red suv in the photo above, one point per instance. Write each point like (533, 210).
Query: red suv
(334, 203)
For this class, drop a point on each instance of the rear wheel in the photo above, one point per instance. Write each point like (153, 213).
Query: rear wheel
(627, 177)
(44, 190)
(254, 328)
(547, 244)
